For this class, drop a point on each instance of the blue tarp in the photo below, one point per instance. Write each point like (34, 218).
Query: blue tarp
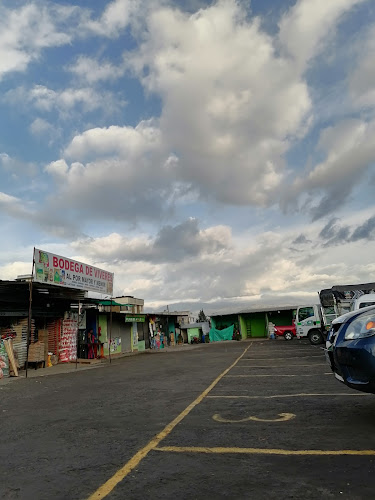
(217, 335)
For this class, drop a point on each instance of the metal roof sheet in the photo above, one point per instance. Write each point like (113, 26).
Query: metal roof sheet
(256, 310)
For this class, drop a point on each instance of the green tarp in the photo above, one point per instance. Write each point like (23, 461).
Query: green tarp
(217, 335)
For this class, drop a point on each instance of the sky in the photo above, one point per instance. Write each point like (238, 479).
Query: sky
(216, 155)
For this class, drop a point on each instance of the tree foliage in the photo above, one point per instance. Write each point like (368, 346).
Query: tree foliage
(201, 316)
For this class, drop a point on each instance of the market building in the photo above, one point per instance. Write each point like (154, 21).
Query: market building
(53, 322)
(168, 327)
(196, 331)
(61, 322)
(253, 323)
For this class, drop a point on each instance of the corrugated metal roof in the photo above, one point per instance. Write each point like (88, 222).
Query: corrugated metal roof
(14, 295)
(349, 288)
(193, 325)
(255, 310)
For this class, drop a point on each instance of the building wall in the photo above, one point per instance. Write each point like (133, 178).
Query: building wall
(125, 335)
(243, 327)
(258, 325)
(193, 332)
(253, 325)
(120, 334)
(135, 305)
(134, 336)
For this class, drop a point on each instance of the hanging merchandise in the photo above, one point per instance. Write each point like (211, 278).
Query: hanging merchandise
(68, 339)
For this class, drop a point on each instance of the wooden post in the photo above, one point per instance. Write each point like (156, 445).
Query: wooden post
(110, 332)
(167, 332)
(239, 325)
(77, 336)
(30, 313)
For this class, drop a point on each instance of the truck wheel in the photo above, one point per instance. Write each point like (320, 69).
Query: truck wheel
(288, 336)
(315, 337)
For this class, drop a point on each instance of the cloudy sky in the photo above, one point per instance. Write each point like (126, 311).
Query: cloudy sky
(210, 154)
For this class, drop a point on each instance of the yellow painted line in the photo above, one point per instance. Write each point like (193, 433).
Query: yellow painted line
(262, 451)
(284, 417)
(280, 375)
(109, 485)
(301, 395)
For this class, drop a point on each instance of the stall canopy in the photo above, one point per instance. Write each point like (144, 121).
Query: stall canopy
(47, 299)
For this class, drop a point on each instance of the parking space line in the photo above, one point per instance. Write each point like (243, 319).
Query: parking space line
(279, 375)
(106, 488)
(302, 395)
(280, 366)
(261, 451)
(282, 350)
(294, 357)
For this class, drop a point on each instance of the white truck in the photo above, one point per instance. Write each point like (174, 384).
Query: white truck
(314, 321)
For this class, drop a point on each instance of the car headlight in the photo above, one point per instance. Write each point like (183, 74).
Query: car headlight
(361, 327)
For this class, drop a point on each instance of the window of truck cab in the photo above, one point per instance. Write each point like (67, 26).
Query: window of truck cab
(366, 304)
(305, 312)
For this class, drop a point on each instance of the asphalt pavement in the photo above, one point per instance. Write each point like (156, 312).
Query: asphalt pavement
(232, 420)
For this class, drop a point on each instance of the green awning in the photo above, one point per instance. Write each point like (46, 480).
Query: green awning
(109, 303)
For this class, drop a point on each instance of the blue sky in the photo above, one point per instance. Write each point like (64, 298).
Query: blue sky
(210, 154)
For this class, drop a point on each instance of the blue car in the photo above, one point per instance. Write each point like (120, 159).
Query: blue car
(350, 349)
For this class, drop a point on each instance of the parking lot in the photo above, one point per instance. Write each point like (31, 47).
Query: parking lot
(237, 420)
(276, 425)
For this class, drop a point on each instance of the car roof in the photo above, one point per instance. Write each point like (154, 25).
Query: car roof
(348, 316)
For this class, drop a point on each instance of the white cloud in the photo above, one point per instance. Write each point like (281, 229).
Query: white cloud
(16, 168)
(113, 171)
(171, 244)
(228, 116)
(262, 269)
(14, 207)
(65, 101)
(6, 199)
(91, 70)
(58, 168)
(115, 141)
(115, 18)
(232, 113)
(14, 269)
(40, 127)
(306, 26)
(44, 130)
(349, 152)
(362, 80)
(26, 31)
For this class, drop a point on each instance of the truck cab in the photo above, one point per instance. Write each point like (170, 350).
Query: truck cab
(309, 323)
(365, 300)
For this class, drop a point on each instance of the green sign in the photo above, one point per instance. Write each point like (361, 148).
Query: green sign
(135, 319)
